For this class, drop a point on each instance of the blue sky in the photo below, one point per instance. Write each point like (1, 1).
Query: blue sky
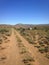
(24, 11)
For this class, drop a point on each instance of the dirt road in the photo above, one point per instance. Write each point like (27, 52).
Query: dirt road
(12, 56)
(11, 52)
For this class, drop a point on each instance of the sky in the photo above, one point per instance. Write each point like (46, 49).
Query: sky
(24, 11)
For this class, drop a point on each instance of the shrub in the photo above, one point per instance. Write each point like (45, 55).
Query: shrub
(3, 30)
(1, 41)
(3, 58)
(23, 51)
(41, 50)
(2, 48)
(8, 34)
(38, 46)
(4, 37)
(47, 56)
(41, 42)
(46, 49)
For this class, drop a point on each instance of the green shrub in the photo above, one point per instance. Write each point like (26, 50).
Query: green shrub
(41, 50)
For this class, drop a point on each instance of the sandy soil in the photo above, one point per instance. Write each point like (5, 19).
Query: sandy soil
(11, 52)
(12, 55)
(39, 58)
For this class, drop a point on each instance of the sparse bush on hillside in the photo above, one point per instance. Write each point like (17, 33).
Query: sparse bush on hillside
(47, 56)
(46, 49)
(1, 41)
(2, 48)
(38, 46)
(41, 50)
(3, 30)
(41, 42)
(27, 58)
(35, 28)
(3, 58)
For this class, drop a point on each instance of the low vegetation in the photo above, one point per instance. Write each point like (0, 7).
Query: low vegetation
(37, 37)
(25, 54)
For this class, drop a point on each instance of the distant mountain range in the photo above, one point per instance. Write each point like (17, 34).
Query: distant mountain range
(27, 25)
(32, 25)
